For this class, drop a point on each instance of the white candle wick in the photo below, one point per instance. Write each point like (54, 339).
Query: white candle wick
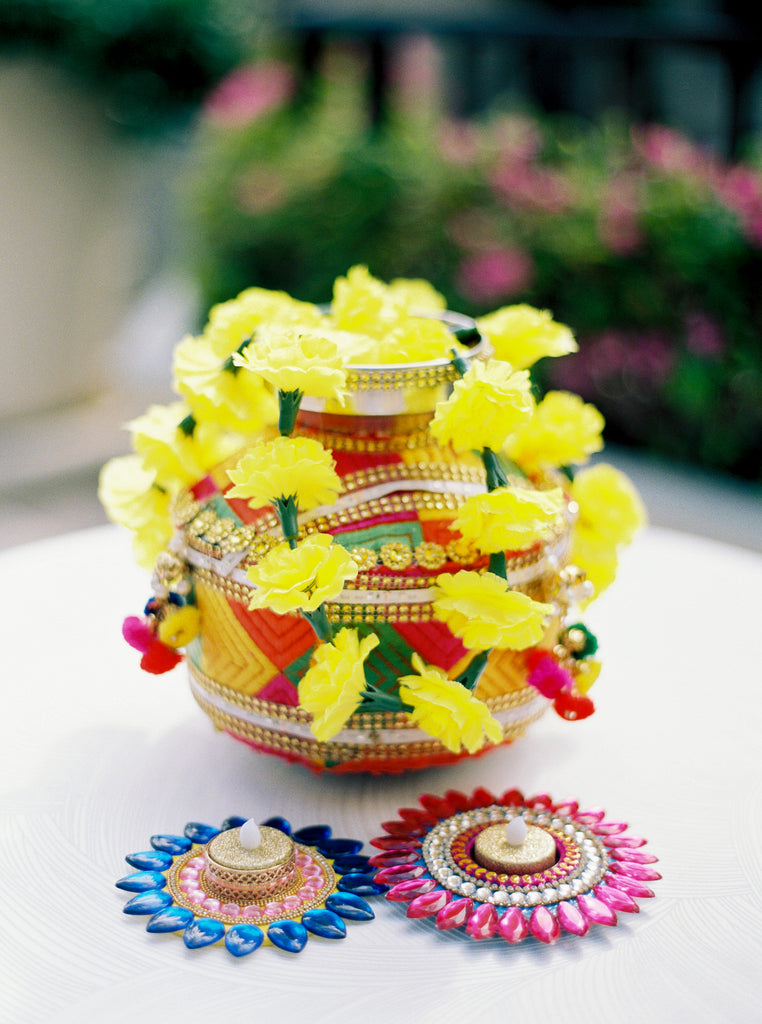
(516, 831)
(249, 835)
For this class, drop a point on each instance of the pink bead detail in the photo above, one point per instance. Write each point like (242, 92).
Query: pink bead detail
(312, 870)
(272, 909)
(189, 873)
(595, 910)
(196, 862)
(617, 899)
(639, 872)
(403, 892)
(306, 895)
(189, 886)
(572, 919)
(544, 925)
(230, 910)
(513, 926)
(291, 903)
(455, 914)
(399, 873)
(196, 896)
(303, 860)
(428, 903)
(629, 885)
(252, 913)
(211, 904)
(314, 882)
(482, 924)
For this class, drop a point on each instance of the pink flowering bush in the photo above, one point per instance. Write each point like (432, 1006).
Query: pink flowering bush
(647, 246)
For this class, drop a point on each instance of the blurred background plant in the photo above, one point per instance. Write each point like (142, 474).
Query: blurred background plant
(648, 246)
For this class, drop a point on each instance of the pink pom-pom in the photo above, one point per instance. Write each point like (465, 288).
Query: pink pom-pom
(546, 675)
(137, 633)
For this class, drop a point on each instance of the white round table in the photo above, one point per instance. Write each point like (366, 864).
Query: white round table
(97, 756)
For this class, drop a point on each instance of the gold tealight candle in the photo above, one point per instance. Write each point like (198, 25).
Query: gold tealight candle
(515, 848)
(250, 863)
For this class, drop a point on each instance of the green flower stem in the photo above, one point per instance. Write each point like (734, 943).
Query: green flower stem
(188, 425)
(287, 510)
(320, 624)
(493, 467)
(378, 700)
(459, 362)
(497, 564)
(289, 402)
(471, 675)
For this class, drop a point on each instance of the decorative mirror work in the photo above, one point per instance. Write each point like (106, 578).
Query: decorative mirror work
(247, 884)
(511, 866)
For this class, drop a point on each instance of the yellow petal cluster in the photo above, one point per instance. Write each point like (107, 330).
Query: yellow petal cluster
(129, 495)
(217, 394)
(610, 513)
(177, 457)
(284, 467)
(332, 687)
(489, 402)
(301, 578)
(481, 610)
(232, 323)
(446, 710)
(522, 334)
(294, 359)
(509, 518)
(564, 431)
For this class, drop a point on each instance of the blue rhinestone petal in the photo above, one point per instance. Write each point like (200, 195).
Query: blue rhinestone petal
(141, 881)
(324, 923)
(200, 833)
(280, 823)
(171, 919)
(203, 932)
(150, 860)
(148, 902)
(243, 939)
(351, 862)
(288, 935)
(339, 847)
(234, 821)
(350, 906)
(360, 884)
(171, 844)
(312, 834)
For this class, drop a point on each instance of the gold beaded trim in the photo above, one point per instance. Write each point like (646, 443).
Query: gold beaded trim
(394, 378)
(267, 880)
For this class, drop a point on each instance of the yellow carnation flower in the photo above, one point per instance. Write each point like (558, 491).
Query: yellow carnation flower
(331, 689)
(487, 404)
(301, 578)
(216, 394)
(292, 359)
(608, 503)
(522, 334)
(484, 613)
(284, 467)
(129, 495)
(509, 518)
(446, 710)
(563, 431)
(233, 322)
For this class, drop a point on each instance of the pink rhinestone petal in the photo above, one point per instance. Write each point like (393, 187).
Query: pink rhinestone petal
(590, 816)
(513, 925)
(572, 919)
(455, 914)
(629, 885)
(458, 801)
(595, 910)
(541, 801)
(567, 808)
(544, 925)
(403, 892)
(512, 798)
(630, 842)
(436, 805)
(482, 924)
(399, 842)
(616, 899)
(400, 873)
(609, 828)
(634, 856)
(428, 903)
(404, 828)
(482, 797)
(390, 857)
(639, 872)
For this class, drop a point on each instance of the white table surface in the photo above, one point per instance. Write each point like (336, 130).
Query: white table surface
(97, 756)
